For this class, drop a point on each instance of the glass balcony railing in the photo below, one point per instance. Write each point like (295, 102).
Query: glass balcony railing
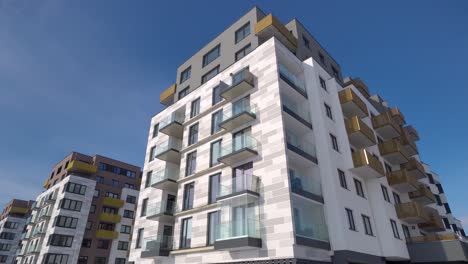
(159, 245)
(173, 118)
(171, 144)
(242, 183)
(302, 147)
(238, 143)
(239, 108)
(239, 228)
(165, 207)
(163, 175)
(292, 80)
(294, 110)
(242, 75)
(313, 231)
(305, 184)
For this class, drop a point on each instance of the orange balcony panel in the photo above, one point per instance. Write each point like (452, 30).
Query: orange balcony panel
(352, 104)
(397, 116)
(385, 126)
(415, 168)
(270, 26)
(392, 150)
(167, 97)
(359, 133)
(366, 165)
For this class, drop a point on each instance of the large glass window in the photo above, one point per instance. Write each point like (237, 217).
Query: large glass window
(60, 240)
(350, 216)
(55, 259)
(144, 206)
(195, 108)
(193, 134)
(385, 193)
(216, 119)
(342, 177)
(66, 222)
(209, 75)
(309, 220)
(396, 233)
(183, 92)
(185, 75)
(367, 225)
(191, 165)
(72, 205)
(75, 188)
(186, 233)
(242, 32)
(211, 55)
(189, 190)
(139, 238)
(215, 152)
(359, 189)
(243, 52)
(213, 227)
(213, 189)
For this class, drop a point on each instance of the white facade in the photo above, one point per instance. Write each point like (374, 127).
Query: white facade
(9, 244)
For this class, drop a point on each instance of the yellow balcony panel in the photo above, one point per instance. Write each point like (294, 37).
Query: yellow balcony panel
(408, 145)
(415, 168)
(110, 218)
(46, 182)
(434, 223)
(81, 167)
(18, 210)
(167, 97)
(352, 104)
(385, 126)
(359, 133)
(397, 116)
(366, 165)
(113, 202)
(402, 181)
(435, 237)
(423, 195)
(270, 26)
(392, 150)
(412, 133)
(411, 212)
(106, 234)
(359, 84)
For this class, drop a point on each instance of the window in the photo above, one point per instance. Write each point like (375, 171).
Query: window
(96, 193)
(103, 244)
(349, 214)
(152, 151)
(242, 32)
(217, 95)
(86, 243)
(406, 232)
(396, 234)
(388, 168)
(213, 189)
(7, 235)
(306, 42)
(155, 130)
(100, 260)
(211, 55)
(439, 201)
(50, 258)
(73, 205)
(60, 240)
(89, 225)
(367, 225)
(209, 75)
(342, 177)
(243, 52)
(115, 183)
(447, 208)
(185, 74)
(193, 134)
(139, 238)
(446, 222)
(128, 214)
(334, 142)
(82, 260)
(110, 210)
(129, 186)
(186, 233)
(11, 225)
(92, 209)
(100, 179)
(119, 261)
(66, 222)
(336, 74)
(188, 196)
(125, 229)
(216, 119)
(323, 84)
(215, 152)
(131, 199)
(122, 245)
(322, 58)
(3, 258)
(330, 115)
(144, 207)
(5, 247)
(75, 188)
(396, 198)
(191, 163)
(112, 195)
(213, 227)
(195, 108)
(148, 179)
(183, 92)
(385, 193)
(359, 189)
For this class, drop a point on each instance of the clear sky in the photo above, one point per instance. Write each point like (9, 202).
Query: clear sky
(86, 75)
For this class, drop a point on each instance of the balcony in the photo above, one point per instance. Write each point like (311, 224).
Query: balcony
(434, 237)
(310, 226)
(360, 135)
(414, 168)
(352, 104)
(242, 82)
(292, 80)
(172, 125)
(397, 116)
(434, 223)
(38, 233)
(113, 202)
(162, 211)
(302, 148)
(44, 216)
(49, 199)
(270, 27)
(81, 167)
(241, 113)
(239, 234)
(392, 150)
(244, 189)
(366, 165)
(306, 186)
(110, 218)
(157, 247)
(35, 206)
(169, 150)
(411, 212)
(443, 248)
(106, 234)
(423, 195)
(402, 181)
(412, 133)
(46, 182)
(408, 145)
(165, 179)
(293, 109)
(385, 126)
(167, 97)
(241, 148)
(31, 220)
(19, 210)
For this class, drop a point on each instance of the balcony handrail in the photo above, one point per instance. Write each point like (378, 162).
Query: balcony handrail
(384, 119)
(294, 107)
(244, 182)
(303, 145)
(245, 227)
(348, 95)
(413, 164)
(292, 78)
(355, 124)
(409, 209)
(154, 243)
(171, 143)
(238, 143)
(422, 191)
(314, 231)
(178, 117)
(164, 174)
(309, 185)
(244, 107)
(363, 158)
(163, 207)
(401, 176)
(242, 75)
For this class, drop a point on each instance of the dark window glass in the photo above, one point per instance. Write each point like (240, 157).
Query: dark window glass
(406, 232)
(242, 32)
(188, 196)
(342, 177)
(367, 225)
(323, 84)
(334, 142)
(183, 92)
(214, 188)
(209, 75)
(193, 134)
(60, 240)
(211, 55)
(215, 152)
(191, 165)
(185, 75)
(243, 52)
(139, 238)
(144, 206)
(217, 95)
(213, 227)
(186, 233)
(396, 233)
(195, 108)
(329, 112)
(306, 42)
(396, 198)
(216, 119)
(359, 189)
(349, 214)
(385, 193)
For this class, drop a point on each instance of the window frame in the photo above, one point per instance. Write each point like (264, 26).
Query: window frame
(367, 225)
(334, 142)
(350, 217)
(242, 30)
(206, 60)
(184, 72)
(195, 108)
(359, 188)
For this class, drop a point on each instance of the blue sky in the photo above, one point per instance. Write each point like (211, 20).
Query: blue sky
(86, 75)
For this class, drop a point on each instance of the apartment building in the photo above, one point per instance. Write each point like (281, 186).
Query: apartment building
(264, 154)
(12, 223)
(85, 213)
